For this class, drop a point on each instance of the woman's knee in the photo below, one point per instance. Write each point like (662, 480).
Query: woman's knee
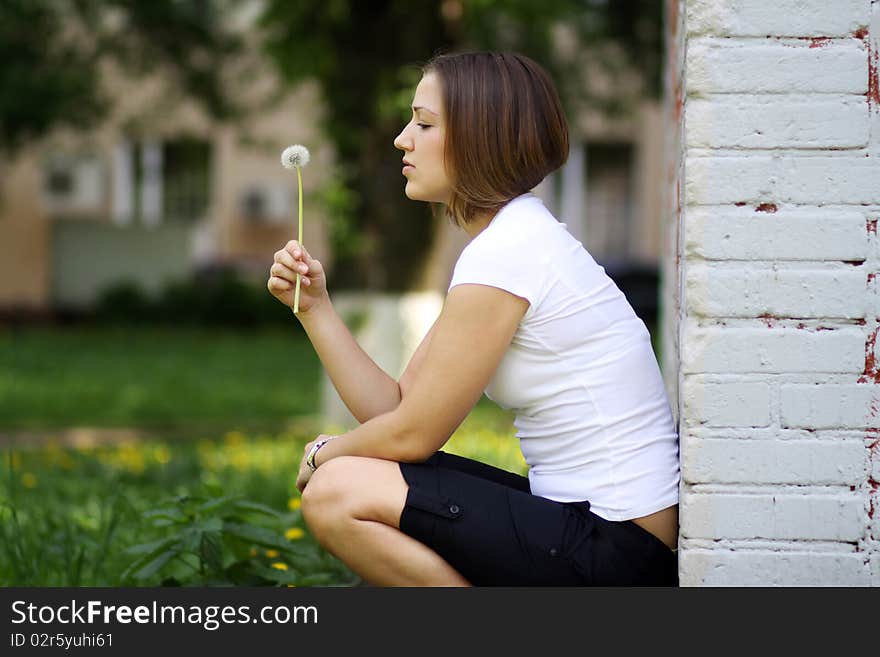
(354, 487)
(327, 486)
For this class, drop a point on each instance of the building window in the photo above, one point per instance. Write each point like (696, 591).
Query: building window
(186, 179)
(155, 181)
(73, 184)
(609, 222)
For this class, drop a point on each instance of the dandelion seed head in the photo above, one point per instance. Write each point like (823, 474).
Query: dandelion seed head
(295, 156)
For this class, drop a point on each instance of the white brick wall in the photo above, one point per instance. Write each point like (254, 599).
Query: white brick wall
(773, 309)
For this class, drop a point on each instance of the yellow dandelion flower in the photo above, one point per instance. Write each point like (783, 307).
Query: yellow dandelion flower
(291, 586)
(162, 454)
(294, 503)
(28, 480)
(234, 438)
(279, 565)
(294, 533)
(271, 553)
(240, 459)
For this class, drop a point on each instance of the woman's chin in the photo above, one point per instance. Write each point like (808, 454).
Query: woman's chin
(412, 194)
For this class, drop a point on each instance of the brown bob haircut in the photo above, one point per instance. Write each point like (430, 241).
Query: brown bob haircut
(505, 128)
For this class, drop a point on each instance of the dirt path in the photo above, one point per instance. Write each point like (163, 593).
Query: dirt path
(79, 437)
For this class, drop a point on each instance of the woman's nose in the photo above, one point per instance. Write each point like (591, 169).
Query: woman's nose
(402, 142)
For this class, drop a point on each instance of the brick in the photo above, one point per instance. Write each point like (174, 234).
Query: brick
(830, 406)
(771, 122)
(733, 66)
(735, 404)
(787, 234)
(803, 462)
(716, 291)
(772, 516)
(781, 18)
(755, 179)
(698, 567)
(777, 351)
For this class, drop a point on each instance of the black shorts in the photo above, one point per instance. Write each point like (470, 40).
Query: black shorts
(486, 524)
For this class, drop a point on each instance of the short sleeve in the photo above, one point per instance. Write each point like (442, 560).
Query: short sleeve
(502, 264)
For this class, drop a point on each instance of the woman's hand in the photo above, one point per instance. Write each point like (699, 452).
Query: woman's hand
(305, 472)
(293, 259)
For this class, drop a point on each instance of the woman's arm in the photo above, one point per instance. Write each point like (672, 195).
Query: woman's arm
(465, 347)
(366, 389)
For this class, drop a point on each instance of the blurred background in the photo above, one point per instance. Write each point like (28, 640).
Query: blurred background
(154, 398)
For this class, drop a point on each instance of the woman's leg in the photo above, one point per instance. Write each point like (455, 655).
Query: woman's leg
(427, 524)
(479, 469)
(352, 505)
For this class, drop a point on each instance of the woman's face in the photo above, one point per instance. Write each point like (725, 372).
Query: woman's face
(422, 144)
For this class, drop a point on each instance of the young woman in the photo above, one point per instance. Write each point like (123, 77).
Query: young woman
(530, 319)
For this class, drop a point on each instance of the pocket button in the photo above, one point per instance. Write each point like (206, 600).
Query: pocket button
(454, 510)
(553, 552)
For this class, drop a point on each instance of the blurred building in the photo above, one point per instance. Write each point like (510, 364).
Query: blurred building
(157, 191)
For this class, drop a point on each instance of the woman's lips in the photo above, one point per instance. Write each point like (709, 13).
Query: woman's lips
(406, 168)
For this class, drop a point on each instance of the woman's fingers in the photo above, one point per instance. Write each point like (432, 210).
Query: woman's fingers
(301, 254)
(278, 283)
(282, 271)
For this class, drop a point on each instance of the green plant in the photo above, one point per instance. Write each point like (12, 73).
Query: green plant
(216, 540)
(124, 302)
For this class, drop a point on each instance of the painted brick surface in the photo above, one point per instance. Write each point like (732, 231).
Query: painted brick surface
(775, 351)
(781, 18)
(757, 290)
(830, 406)
(739, 121)
(795, 462)
(773, 233)
(783, 178)
(725, 567)
(774, 208)
(779, 515)
(735, 404)
(745, 66)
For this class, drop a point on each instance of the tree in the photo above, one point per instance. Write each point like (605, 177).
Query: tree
(365, 56)
(52, 49)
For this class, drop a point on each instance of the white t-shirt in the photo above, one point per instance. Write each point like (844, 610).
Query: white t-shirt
(592, 415)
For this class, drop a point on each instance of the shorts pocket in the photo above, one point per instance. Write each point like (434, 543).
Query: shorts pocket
(439, 505)
(547, 533)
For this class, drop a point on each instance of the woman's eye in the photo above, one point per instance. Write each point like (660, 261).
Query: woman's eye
(423, 126)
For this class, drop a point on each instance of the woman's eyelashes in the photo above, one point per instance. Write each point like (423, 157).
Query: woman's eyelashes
(423, 126)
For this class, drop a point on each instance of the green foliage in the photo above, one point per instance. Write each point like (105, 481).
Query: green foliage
(193, 512)
(221, 299)
(223, 540)
(198, 512)
(46, 77)
(52, 49)
(123, 302)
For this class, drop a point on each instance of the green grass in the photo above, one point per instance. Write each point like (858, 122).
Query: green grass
(207, 495)
(75, 516)
(155, 378)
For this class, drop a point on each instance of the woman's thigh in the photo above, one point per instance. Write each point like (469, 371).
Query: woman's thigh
(480, 469)
(486, 525)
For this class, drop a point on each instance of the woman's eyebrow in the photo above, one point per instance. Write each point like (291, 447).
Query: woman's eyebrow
(415, 108)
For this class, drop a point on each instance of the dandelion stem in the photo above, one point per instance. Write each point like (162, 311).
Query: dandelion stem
(299, 181)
